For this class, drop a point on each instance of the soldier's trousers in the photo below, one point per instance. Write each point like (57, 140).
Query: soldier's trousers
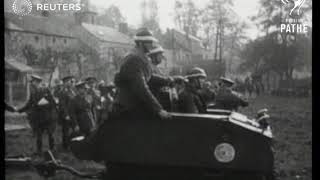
(66, 131)
(39, 141)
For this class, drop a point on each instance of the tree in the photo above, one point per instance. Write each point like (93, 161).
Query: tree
(111, 17)
(217, 19)
(150, 17)
(187, 17)
(283, 51)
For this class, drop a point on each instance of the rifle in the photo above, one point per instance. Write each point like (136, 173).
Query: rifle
(47, 167)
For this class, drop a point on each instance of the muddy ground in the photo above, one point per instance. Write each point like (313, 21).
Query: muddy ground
(291, 120)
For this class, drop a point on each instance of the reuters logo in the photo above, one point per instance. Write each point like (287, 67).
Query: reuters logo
(22, 7)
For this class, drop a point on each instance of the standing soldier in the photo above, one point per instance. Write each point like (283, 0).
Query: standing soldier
(227, 98)
(134, 98)
(41, 112)
(107, 98)
(94, 97)
(190, 100)
(82, 109)
(160, 87)
(65, 97)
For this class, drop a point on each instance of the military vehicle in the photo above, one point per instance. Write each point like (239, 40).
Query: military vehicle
(221, 144)
(218, 145)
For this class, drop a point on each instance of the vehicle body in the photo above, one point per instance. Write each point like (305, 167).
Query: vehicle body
(218, 145)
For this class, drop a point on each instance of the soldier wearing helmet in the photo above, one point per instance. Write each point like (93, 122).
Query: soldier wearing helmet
(41, 112)
(228, 99)
(134, 98)
(159, 85)
(190, 100)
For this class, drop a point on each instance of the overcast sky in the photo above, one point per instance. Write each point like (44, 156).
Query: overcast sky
(132, 11)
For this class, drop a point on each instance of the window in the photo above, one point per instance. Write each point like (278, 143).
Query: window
(65, 41)
(53, 39)
(36, 38)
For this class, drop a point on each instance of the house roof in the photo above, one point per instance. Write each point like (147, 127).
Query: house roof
(53, 25)
(104, 33)
(190, 36)
(12, 26)
(15, 65)
(181, 40)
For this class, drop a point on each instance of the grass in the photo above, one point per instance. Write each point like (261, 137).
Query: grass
(291, 121)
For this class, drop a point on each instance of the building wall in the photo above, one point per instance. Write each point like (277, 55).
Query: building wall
(16, 40)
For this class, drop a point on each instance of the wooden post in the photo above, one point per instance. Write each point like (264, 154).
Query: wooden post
(27, 86)
(10, 92)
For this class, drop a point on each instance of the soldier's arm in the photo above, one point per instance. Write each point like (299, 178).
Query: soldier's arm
(30, 103)
(160, 81)
(240, 100)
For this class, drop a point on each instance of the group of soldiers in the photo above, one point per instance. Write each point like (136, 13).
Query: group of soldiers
(77, 106)
(140, 91)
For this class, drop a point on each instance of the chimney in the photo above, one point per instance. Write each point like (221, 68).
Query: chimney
(85, 17)
(123, 28)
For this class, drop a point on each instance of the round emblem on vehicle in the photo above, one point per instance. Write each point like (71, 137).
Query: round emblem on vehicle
(224, 152)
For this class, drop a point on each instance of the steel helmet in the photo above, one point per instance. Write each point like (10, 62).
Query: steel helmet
(196, 72)
(157, 49)
(144, 35)
(227, 81)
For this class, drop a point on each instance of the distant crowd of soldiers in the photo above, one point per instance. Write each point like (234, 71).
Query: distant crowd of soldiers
(140, 90)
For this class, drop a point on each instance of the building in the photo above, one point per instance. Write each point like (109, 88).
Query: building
(55, 46)
(184, 48)
(16, 81)
(110, 44)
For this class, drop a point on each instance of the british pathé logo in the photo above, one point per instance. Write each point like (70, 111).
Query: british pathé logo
(296, 5)
(22, 7)
(293, 24)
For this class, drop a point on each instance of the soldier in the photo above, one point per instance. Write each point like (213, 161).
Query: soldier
(94, 97)
(207, 93)
(57, 89)
(41, 111)
(82, 109)
(190, 100)
(134, 98)
(160, 87)
(65, 97)
(228, 99)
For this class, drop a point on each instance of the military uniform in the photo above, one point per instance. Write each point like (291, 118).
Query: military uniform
(94, 97)
(42, 114)
(106, 103)
(134, 94)
(82, 111)
(68, 123)
(190, 101)
(229, 100)
(208, 95)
